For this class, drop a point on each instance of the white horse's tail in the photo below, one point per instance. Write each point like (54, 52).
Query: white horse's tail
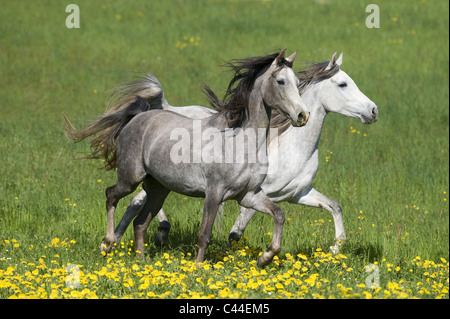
(126, 93)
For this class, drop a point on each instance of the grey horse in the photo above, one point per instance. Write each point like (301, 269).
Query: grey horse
(144, 147)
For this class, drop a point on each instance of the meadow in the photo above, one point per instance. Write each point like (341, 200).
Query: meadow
(391, 178)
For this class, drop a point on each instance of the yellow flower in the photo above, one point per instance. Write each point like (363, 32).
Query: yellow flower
(206, 266)
(199, 280)
(312, 279)
(252, 285)
(219, 265)
(367, 295)
(129, 282)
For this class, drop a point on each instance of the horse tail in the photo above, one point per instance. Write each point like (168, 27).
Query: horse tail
(106, 131)
(148, 88)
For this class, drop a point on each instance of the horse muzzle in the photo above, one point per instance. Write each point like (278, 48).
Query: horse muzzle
(372, 117)
(302, 119)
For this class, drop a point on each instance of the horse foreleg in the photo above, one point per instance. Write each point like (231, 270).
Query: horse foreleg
(315, 199)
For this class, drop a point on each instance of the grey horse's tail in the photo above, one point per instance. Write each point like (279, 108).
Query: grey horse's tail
(106, 131)
(127, 100)
(148, 88)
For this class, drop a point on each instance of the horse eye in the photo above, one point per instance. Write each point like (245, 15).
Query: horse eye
(342, 85)
(280, 82)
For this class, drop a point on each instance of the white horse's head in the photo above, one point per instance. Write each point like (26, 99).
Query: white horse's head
(340, 94)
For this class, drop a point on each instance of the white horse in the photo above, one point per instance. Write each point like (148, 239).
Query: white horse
(325, 88)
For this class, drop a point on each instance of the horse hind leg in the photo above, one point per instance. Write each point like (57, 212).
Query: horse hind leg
(210, 210)
(136, 204)
(259, 201)
(315, 199)
(133, 210)
(127, 182)
(113, 195)
(156, 195)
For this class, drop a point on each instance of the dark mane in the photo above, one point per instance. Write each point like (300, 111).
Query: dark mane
(315, 73)
(235, 101)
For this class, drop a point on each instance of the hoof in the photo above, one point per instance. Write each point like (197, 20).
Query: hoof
(107, 247)
(233, 240)
(338, 244)
(233, 237)
(140, 255)
(104, 248)
(161, 239)
(162, 236)
(264, 259)
(334, 249)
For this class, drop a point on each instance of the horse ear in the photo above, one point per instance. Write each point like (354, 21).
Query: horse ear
(332, 62)
(291, 58)
(280, 56)
(339, 60)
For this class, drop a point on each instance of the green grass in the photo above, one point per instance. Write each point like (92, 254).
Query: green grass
(391, 178)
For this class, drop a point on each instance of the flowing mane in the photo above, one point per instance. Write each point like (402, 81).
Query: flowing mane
(315, 73)
(235, 101)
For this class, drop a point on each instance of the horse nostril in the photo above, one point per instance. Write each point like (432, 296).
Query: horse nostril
(374, 111)
(303, 118)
